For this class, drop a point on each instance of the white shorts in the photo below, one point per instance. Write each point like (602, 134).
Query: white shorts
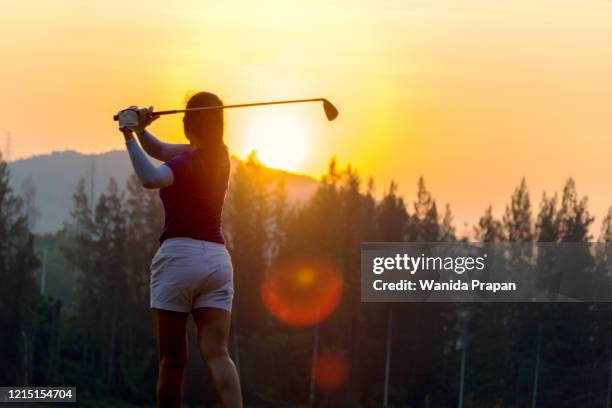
(187, 274)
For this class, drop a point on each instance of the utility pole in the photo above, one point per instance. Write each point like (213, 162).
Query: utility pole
(464, 338)
(315, 356)
(388, 357)
(609, 394)
(25, 358)
(536, 375)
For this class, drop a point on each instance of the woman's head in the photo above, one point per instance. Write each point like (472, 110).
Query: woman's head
(205, 127)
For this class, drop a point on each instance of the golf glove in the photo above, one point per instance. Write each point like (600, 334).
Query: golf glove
(136, 119)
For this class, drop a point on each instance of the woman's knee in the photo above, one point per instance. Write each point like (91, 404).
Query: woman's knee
(213, 350)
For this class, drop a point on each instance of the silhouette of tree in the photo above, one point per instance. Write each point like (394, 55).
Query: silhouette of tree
(517, 218)
(447, 229)
(19, 296)
(548, 228)
(489, 229)
(574, 217)
(103, 343)
(424, 226)
(606, 227)
(391, 217)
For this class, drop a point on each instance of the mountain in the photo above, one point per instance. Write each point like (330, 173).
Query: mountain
(55, 176)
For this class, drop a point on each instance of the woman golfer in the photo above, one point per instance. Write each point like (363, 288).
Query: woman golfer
(192, 271)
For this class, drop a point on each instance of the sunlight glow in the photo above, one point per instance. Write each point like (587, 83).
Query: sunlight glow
(451, 90)
(281, 140)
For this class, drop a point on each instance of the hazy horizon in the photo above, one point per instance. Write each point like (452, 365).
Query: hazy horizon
(463, 226)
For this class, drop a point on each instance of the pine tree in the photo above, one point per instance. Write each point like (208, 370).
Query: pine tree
(548, 227)
(564, 270)
(110, 253)
(517, 218)
(391, 217)
(447, 229)
(574, 216)
(99, 252)
(144, 223)
(424, 225)
(606, 227)
(78, 234)
(489, 229)
(19, 294)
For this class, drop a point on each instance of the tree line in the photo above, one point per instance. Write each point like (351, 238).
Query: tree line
(99, 336)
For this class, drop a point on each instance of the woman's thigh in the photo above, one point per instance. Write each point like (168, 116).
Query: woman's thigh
(171, 333)
(213, 326)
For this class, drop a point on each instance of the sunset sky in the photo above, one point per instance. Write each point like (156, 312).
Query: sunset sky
(472, 94)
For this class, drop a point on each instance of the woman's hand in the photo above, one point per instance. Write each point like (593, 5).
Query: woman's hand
(136, 119)
(145, 118)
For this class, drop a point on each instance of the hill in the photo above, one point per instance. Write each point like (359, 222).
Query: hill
(55, 176)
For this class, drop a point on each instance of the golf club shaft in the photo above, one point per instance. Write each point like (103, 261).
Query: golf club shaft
(242, 105)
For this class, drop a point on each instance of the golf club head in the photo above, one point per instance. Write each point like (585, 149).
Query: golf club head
(330, 110)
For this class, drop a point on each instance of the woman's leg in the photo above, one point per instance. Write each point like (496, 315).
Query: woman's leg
(213, 333)
(171, 331)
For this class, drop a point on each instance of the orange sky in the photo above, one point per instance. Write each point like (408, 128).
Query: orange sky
(473, 94)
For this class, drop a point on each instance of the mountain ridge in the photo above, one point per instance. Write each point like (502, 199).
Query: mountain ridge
(55, 176)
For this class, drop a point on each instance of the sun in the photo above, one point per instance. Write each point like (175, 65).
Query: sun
(281, 139)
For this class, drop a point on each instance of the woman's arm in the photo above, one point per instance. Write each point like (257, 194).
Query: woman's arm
(158, 149)
(150, 176)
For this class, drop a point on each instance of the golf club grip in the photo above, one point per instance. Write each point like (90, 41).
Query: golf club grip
(166, 112)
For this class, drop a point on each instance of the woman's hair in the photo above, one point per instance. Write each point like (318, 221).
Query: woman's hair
(206, 125)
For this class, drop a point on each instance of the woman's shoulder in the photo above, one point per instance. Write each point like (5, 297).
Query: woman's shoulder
(179, 158)
(212, 152)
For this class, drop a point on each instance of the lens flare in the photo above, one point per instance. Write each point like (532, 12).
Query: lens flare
(331, 371)
(302, 292)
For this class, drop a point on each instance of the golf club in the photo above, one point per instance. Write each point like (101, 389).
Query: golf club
(330, 110)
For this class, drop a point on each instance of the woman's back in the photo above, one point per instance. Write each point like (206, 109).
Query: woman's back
(194, 202)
